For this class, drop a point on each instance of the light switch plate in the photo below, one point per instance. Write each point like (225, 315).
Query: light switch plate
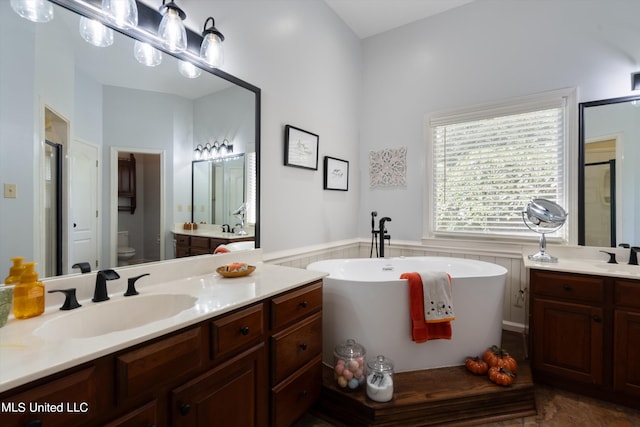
(10, 191)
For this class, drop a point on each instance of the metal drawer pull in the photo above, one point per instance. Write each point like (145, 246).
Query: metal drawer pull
(303, 393)
(597, 319)
(185, 408)
(304, 304)
(303, 346)
(244, 330)
(567, 288)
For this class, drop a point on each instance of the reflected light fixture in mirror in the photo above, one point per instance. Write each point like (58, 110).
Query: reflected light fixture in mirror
(95, 33)
(121, 13)
(33, 10)
(188, 70)
(211, 48)
(171, 30)
(146, 54)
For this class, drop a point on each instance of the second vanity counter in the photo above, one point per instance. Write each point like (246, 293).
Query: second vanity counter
(26, 356)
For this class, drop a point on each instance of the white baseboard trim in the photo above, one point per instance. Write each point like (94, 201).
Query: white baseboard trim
(513, 326)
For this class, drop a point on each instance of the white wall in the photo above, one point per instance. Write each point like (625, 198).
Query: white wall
(308, 66)
(484, 51)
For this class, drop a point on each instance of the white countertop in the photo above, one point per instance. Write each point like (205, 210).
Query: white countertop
(25, 357)
(208, 230)
(585, 260)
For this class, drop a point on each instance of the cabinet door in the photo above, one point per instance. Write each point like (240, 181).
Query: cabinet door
(232, 394)
(626, 356)
(567, 340)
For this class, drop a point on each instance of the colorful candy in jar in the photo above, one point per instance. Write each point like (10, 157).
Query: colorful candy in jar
(349, 364)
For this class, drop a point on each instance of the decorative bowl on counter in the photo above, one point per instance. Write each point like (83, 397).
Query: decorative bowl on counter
(236, 269)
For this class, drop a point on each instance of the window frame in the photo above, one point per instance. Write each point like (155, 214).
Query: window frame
(568, 96)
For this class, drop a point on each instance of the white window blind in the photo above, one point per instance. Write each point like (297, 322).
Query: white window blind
(488, 163)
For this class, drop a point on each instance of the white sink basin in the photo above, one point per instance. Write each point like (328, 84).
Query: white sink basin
(92, 320)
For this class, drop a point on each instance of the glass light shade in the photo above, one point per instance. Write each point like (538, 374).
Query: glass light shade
(33, 10)
(172, 32)
(95, 33)
(121, 13)
(189, 70)
(211, 50)
(147, 54)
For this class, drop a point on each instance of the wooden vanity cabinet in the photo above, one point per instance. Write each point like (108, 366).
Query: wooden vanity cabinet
(584, 334)
(187, 245)
(258, 365)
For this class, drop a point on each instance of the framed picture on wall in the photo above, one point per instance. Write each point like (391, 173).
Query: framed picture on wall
(300, 148)
(336, 174)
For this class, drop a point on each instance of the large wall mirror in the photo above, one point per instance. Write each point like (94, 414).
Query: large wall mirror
(609, 194)
(70, 112)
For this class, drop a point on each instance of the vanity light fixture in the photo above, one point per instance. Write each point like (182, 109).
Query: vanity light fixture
(95, 33)
(226, 147)
(121, 13)
(189, 70)
(171, 30)
(147, 54)
(211, 48)
(635, 81)
(33, 10)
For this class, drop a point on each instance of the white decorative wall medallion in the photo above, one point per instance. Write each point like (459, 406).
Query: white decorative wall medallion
(388, 167)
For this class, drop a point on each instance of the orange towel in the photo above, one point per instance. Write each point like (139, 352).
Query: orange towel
(421, 331)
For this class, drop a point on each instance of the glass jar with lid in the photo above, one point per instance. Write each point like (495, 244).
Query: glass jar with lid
(380, 379)
(349, 364)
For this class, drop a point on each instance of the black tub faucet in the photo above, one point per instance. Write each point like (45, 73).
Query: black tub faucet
(633, 255)
(100, 292)
(383, 234)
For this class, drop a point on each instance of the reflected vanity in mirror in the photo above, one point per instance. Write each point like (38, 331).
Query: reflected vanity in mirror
(608, 177)
(70, 105)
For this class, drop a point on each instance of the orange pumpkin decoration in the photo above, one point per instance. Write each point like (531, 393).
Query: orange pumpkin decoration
(496, 356)
(476, 365)
(501, 376)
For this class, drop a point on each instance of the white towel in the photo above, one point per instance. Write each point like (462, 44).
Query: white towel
(438, 306)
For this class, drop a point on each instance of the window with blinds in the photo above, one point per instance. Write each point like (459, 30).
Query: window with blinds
(251, 188)
(489, 162)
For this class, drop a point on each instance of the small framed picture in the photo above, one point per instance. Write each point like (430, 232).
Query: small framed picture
(300, 148)
(336, 174)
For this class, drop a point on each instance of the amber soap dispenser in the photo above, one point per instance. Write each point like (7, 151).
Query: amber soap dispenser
(15, 272)
(28, 295)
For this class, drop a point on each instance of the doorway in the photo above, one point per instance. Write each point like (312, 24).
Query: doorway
(54, 247)
(600, 192)
(141, 229)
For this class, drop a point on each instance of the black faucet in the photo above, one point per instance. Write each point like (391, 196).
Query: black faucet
(383, 234)
(633, 255)
(100, 292)
(84, 267)
(131, 285)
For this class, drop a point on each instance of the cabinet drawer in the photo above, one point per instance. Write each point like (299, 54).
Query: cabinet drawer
(200, 242)
(295, 346)
(74, 397)
(146, 415)
(182, 240)
(580, 288)
(143, 370)
(291, 399)
(237, 330)
(627, 293)
(295, 305)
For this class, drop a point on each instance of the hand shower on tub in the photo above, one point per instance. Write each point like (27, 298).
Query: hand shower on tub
(382, 231)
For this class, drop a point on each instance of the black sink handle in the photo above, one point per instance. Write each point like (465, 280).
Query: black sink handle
(131, 285)
(70, 300)
(612, 257)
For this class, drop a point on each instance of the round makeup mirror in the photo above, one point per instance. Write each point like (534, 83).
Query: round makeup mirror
(543, 216)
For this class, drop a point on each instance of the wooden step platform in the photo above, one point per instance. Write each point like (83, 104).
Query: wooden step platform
(445, 396)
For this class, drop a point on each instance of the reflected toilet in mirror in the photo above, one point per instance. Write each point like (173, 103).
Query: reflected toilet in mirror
(125, 252)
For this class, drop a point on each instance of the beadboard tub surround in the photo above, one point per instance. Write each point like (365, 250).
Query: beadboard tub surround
(194, 276)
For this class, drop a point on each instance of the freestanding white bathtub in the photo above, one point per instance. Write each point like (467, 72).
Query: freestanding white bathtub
(366, 300)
